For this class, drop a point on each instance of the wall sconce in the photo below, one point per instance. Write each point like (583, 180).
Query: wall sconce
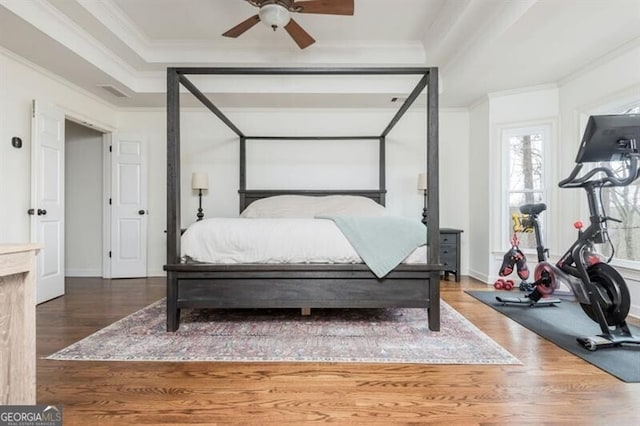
(200, 181)
(422, 186)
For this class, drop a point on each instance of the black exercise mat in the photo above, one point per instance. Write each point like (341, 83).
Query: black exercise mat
(561, 324)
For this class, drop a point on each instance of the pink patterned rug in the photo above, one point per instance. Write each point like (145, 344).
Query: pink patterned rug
(283, 335)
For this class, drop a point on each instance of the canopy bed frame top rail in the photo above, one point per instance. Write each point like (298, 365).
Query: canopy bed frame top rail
(198, 286)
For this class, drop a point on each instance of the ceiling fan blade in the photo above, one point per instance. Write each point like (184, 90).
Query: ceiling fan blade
(327, 7)
(242, 27)
(300, 36)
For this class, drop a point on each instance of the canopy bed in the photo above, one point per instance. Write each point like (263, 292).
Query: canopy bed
(198, 285)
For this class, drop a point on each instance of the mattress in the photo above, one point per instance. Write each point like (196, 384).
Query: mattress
(272, 240)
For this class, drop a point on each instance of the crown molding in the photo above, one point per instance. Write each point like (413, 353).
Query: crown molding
(55, 77)
(602, 60)
(481, 100)
(56, 25)
(520, 90)
(487, 31)
(225, 52)
(454, 110)
(116, 21)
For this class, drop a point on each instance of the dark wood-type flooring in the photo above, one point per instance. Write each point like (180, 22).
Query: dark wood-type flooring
(552, 386)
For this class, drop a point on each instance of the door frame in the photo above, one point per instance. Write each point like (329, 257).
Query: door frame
(107, 133)
(106, 209)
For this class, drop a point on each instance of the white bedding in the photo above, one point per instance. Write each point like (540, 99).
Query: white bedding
(268, 240)
(302, 206)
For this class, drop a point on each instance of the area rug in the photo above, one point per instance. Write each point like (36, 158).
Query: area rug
(561, 324)
(327, 335)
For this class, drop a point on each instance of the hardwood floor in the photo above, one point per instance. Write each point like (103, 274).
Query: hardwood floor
(552, 386)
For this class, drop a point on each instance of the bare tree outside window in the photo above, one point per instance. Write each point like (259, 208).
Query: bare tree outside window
(526, 179)
(624, 204)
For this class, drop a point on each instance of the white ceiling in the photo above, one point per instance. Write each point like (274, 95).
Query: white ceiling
(480, 46)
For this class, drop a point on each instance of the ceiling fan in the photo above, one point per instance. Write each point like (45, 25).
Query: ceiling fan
(276, 13)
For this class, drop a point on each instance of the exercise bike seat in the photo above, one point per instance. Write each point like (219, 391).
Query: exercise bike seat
(533, 209)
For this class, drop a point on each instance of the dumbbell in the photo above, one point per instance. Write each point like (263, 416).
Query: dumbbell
(503, 284)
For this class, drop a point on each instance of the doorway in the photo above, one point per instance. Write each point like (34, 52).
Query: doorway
(84, 196)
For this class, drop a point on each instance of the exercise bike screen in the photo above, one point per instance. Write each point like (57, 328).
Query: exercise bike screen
(609, 138)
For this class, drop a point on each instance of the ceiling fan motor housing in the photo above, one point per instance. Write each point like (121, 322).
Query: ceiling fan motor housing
(274, 15)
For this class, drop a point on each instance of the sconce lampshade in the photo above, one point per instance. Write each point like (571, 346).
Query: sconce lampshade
(274, 15)
(422, 181)
(200, 180)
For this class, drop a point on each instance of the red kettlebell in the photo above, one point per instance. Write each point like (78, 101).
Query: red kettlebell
(499, 284)
(508, 285)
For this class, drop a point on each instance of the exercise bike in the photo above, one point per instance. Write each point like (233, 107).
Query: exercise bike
(542, 287)
(597, 286)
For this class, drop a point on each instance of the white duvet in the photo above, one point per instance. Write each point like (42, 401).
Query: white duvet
(261, 240)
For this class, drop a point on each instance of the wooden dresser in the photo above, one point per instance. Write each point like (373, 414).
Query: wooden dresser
(18, 324)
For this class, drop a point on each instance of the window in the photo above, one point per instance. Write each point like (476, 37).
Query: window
(524, 150)
(624, 204)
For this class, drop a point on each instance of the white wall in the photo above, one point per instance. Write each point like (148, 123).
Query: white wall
(455, 163)
(208, 146)
(83, 201)
(20, 83)
(479, 190)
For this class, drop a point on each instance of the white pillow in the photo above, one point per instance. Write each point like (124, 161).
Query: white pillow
(304, 206)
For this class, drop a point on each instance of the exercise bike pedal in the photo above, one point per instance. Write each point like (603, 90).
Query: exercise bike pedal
(527, 301)
(593, 343)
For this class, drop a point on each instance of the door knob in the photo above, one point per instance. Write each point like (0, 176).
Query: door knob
(140, 211)
(31, 212)
(42, 212)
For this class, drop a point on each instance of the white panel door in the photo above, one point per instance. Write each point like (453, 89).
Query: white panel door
(128, 207)
(47, 198)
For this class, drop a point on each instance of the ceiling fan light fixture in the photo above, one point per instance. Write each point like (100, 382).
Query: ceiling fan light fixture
(274, 15)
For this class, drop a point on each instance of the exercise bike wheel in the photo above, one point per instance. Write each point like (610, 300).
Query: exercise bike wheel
(611, 283)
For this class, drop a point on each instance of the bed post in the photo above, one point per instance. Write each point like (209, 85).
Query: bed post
(382, 171)
(243, 173)
(433, 218)
(173, 194)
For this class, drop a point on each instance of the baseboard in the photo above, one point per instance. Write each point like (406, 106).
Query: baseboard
(479, 276)
(83, 272)
(157, 273)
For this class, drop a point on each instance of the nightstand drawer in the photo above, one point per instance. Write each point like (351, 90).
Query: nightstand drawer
(448, 239)
(449, 260)
(449, 253)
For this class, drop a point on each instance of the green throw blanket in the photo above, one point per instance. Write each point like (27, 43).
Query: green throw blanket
(382, 242)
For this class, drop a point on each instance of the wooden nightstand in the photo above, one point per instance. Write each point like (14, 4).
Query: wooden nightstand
(450, 251)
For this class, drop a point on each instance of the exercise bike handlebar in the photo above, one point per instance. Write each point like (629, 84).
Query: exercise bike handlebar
(609, 180)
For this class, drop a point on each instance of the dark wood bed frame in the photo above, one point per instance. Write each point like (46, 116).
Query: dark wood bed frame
(196, 286)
